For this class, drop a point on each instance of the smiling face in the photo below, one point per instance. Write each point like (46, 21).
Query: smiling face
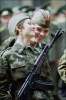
(26, 32)
(40, 32)
(41, 22)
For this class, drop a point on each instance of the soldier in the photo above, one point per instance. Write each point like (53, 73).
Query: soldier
(5, 76)
(40, 29)
(62, 67)
(41, 21)
(27, 9)
(5, 15)
(18, 59)
(62, 74)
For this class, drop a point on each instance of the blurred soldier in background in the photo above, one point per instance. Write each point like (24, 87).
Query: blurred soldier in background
(27, 9)
(62, 73)
(16, 9)
(5, 15)
(59, 21)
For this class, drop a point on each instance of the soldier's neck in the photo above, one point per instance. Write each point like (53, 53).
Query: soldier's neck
(19, 40)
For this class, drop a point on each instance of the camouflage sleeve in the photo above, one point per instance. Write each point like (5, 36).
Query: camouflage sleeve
(62, 67)
(8, 43)
(3, 67)
(18, 61)
(46, 69)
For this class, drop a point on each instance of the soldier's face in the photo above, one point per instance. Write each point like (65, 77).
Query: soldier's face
(40, 32)
(5, 19)
(27, 30)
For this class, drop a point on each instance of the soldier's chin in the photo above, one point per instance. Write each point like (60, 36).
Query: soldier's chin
(33, 39)
(33, 42)
(39, 40)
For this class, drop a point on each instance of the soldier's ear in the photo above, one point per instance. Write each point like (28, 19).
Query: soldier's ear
(17, 30)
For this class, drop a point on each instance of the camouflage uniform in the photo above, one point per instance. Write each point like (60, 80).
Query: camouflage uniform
(8, 43)
(62, 67)
(4, 34)
(17, 61)
(20, 59)
(62, 74)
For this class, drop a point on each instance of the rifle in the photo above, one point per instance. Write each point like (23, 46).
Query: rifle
(27, 84)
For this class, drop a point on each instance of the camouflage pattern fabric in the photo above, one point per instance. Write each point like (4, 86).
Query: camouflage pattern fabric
(20, 60)
(62, 67)
(4, 34)
(8, 43)
(62, 74)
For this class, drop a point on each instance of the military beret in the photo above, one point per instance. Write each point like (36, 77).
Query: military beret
(15, 20)
(24, 8)
(41, 17)
(16, 9)
(6, 11)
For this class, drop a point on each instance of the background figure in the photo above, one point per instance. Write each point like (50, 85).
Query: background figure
(5, 15)
(62, 73)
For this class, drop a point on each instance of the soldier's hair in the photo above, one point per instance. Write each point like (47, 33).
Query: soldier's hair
(20, 26)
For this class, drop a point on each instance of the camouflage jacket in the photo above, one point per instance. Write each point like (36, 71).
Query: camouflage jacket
(62, 67)
(8, 43)
(19, 60)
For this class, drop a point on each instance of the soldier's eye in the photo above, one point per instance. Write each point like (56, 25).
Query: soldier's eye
(39, 29)
(33, 28)
(45, 31)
